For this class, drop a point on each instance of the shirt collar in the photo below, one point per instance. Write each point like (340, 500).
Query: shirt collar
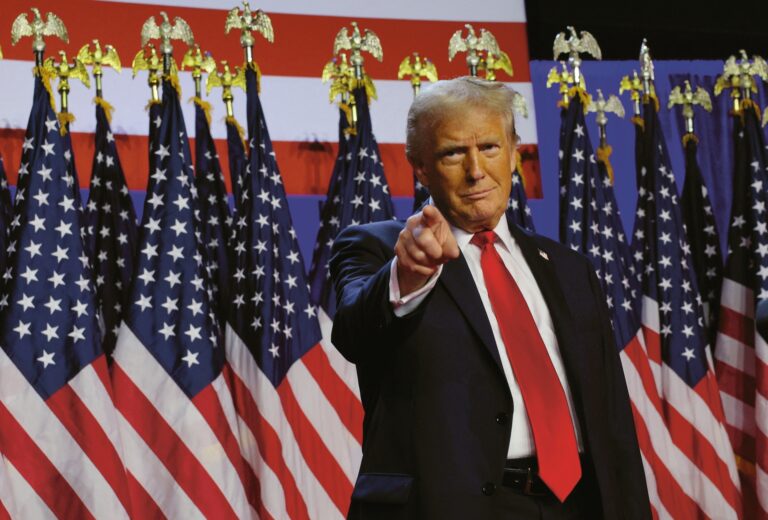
(502, 231)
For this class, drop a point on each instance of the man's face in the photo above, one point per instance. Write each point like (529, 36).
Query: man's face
(467, 166)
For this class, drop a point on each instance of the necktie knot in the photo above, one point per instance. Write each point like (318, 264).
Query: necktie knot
(483, 239)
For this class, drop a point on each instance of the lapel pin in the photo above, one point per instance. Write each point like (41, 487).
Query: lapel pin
(543, 255)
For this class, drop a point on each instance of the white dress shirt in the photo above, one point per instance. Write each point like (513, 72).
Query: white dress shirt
(521, 439)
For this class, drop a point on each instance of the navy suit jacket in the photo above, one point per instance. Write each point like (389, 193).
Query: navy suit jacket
(438, 408)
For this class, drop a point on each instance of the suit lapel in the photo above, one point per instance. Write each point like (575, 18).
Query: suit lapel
(460, 285)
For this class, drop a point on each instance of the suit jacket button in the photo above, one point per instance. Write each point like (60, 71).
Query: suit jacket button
(489, 488)
(502, 419)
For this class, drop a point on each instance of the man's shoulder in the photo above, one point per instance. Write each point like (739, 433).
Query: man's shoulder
(385, 231)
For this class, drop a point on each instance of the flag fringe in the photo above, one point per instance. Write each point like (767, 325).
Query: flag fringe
(65, 118)
(108, 109)
(604, 156)
(204, 106)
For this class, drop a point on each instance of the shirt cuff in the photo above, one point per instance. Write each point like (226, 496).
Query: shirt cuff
(405, 305)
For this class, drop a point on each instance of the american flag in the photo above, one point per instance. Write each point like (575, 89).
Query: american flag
(6, 213)
(298, 437)
(110, 223)
(700, 459)
(742, 353)
(420, 194)
(237, 159)
(215, 216)
(518, 209)
(59, 439)
(358, 193)
(702, 236)
(176, 412)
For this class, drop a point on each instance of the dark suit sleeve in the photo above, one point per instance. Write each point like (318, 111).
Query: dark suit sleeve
(629, 474)
(365, 326)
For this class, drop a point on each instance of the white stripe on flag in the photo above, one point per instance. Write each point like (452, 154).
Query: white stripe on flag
(738, 414)
(181, 415)
(319, 504)
(734, 353)
(691, 480)
(272, 494)
(737, 297)
(153, 476)
(312, 401)
(343, 368)
(18, 497)
(89, 388)
(55, 441)
(761, 482)
(650, 315)
(653, 495)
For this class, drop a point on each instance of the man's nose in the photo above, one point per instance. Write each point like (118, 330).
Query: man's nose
(473, 166)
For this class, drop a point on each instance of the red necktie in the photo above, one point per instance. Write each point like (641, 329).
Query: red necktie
(556, 448)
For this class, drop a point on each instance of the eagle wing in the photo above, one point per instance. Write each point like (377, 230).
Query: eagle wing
(111, 58)
(553, 77)
(84, 54)
(80, 72)
(614, 105)
(759, 67)
(182, 31)
(233, 20)
(208, 64)
(560, 46)
(239, 79)
(189, 61)
(213, 81)
(372, 44)
(504, 63)
(430, 71)
(55, 27)
(701, 97)
(264, 26)
(731, 67)
(20, 28)
(342, 41)
(405, 68)
(139, 62)
(149, 31)
(588, 43)
(676, 97)
(519, 105)
(329, 71)
(456, 44)
(488, 42)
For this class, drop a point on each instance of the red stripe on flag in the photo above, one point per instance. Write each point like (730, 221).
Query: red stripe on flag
(634, 351)
(700, 451)
(29, 460)
(652, 345)
(4, 514)
(207, 402)
(347, 405)
(736, 383)
(306, 167)
(270, 447)
(143, 504)
(737, 326)
(90, 436)
(169, 448)
(675, 500)
(319, 459)
(306, 38)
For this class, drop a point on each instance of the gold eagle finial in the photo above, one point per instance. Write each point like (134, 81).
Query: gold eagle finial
(633, 85)
(148, 59)
(688, 97)
(98, 59)
(472, 45)
(574, 45)
(226, 80)
(37, 28)
(165, 32)
(198, 62)
(602, 107)
(417, 68)
(249, 22)
(356, 43)
(738, 75)
(492, 62)
(564, 80)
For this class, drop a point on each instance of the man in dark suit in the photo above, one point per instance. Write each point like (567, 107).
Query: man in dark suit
(491, 383)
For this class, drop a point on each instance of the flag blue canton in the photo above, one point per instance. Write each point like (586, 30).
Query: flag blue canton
(702, 235)
(592, 223)
(660, 246)
(110, 223)
(270, 308)
(237, 161)
(748, 233)
(169, 305)
(48, 316)
(215, 216)
(518, 210)
(358, 194)
(6, 214)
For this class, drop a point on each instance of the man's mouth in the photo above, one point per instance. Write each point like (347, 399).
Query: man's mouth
(477, 194)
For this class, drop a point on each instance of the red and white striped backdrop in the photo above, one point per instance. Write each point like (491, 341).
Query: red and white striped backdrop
(302, 122)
